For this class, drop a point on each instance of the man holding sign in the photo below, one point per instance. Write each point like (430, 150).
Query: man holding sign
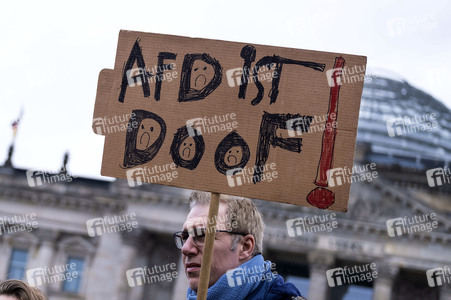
(238, 270)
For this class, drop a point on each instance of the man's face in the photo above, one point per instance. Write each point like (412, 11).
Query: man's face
(223, 258)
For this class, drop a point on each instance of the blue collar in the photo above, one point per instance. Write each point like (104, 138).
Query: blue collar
(242, 281)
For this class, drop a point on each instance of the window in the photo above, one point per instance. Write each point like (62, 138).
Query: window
(73, 280)
(17, 264)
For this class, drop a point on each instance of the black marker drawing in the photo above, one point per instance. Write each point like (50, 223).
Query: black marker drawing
(267, 137)
(187, 151)
(160, 69)
(278, 62)
(147, 133)
(142, 143)
(135, 56)
(141, 75)
(248, 54)
(201, 75)
(232, 152)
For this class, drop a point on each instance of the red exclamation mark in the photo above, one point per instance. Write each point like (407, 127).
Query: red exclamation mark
(321, 197)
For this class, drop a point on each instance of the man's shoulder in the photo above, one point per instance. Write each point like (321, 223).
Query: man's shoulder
(283, 290)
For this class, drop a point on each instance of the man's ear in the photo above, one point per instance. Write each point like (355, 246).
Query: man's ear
(247, 246)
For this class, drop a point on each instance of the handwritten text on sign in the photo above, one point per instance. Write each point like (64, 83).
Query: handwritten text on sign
(228, 116)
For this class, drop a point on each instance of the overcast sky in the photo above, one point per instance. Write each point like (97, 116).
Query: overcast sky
(51, 54)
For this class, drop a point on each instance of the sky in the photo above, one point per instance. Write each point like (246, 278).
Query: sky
(51, 53)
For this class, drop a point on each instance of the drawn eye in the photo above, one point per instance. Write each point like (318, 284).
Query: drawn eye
(151, 129)
(195, 69)
(205, 68)
(230, 151)
(190, 144)
(142, 126)
(237, 151)
(184, 144)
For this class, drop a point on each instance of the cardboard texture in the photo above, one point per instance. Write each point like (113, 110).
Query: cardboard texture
(243, 119)
(100, 116)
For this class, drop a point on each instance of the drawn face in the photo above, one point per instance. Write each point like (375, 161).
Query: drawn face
(201, 74)
(148, 132)
(233, 156)
(187, 149)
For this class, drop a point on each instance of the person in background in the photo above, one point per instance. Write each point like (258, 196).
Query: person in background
(18, 290)
(238, 269)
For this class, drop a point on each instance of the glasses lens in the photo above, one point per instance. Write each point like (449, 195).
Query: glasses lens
(199, 238)
(180, 239)
(198, 235)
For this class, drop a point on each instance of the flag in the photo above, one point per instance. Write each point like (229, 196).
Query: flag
(15, 124)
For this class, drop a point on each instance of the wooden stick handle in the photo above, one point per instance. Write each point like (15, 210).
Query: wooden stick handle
(208, 247)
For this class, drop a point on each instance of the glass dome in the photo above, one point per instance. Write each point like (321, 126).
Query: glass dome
(403, 125)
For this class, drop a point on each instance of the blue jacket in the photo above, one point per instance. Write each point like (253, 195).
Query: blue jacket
(253, 280)
(278, 289)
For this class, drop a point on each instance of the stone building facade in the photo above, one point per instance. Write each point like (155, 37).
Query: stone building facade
(51, 227)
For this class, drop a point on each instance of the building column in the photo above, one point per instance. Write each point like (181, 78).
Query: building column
(5, 256)
(104, 270)
(386, 274)
(45, 251)
(181, 283)
(43, 254)
(319, 263)
(132, 241)
(445, 292)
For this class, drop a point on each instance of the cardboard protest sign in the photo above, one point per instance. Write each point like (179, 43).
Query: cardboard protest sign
(242, 119)
(100, 117)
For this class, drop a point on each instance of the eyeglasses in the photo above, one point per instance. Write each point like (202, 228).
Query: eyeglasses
(198, 234)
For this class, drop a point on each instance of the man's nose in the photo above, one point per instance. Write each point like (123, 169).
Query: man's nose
(190, 248)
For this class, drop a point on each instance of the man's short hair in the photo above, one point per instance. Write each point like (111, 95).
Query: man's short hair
(20, 290)
(240, 211)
